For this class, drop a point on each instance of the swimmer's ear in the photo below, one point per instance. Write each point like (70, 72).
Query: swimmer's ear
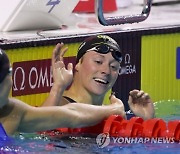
(77, 66)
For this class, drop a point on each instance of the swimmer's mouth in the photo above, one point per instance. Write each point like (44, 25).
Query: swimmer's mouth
(101, 81)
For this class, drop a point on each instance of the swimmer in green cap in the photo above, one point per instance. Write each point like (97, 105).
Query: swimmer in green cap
(17, 116)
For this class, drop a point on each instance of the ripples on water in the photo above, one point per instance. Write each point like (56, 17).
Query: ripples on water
(168, 110)
(23, 143)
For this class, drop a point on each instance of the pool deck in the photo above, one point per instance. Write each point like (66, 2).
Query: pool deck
(83, 23)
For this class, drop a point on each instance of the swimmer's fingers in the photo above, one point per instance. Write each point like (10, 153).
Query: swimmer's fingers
(140, 94)
(118, 103)
(146, 96)
(59, 65)
(70, 67)
(55, 54)
(146, 99)
(114, 99)
(135, 94)
(139, 97)
(58, 53)
(61, 55)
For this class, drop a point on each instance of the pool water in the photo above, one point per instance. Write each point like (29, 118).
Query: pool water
(36, 143)
(168, 110)
(33, 143)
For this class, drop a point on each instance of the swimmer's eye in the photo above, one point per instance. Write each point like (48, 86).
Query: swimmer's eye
(115, 68)
(98, 61)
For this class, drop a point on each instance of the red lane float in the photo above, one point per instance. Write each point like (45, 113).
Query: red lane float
(173, 129)
(116, 126)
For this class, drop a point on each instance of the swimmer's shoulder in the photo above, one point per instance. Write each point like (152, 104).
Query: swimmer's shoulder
(18, 105)
(13, 108)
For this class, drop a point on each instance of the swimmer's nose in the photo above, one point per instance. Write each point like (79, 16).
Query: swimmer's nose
(105, 69)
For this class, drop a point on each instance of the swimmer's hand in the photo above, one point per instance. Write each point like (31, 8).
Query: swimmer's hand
(62, 76)
(118, 104)
(141, 104)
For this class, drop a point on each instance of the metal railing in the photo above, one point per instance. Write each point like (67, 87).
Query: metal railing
(122, 19)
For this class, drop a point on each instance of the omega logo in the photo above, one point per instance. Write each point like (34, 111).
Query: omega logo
(32, 77)
(40, 78)
(130, 68)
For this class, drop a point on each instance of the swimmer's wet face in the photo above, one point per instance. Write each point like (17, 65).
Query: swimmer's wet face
(98, 69)
(98, 72)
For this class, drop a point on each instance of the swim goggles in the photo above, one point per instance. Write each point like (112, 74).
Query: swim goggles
(10, 70)
(105, 48)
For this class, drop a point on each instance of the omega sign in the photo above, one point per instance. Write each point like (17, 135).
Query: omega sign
(33, 77)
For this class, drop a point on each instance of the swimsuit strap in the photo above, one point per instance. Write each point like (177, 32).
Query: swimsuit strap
(70, 99)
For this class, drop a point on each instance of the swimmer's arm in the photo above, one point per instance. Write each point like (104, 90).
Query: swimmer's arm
(70, 115)
(54, 97)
